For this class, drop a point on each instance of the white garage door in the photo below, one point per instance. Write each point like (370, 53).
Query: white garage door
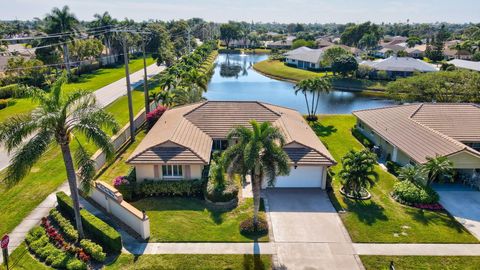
(301, 177)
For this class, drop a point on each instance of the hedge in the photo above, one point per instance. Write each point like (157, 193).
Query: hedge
(65, 225)
(409, 193)
(362, 138)
(393, 167)
(96, 228)
(169, 188)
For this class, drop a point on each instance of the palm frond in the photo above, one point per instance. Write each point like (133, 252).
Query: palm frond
(15, 129)
(95, 134)
(28, 154)
(86, 168)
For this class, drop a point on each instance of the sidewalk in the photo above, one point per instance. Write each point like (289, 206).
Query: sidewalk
(105, 96)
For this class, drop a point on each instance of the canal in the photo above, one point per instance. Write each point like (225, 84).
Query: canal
(235, 79)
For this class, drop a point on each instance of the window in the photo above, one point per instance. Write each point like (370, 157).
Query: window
(172, 171)
(220, 145)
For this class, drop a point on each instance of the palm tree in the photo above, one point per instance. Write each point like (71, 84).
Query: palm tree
(358, 171)
(437, 167)
(167, 98)
(186, 95)
(168, 81)
(315, 86)
(62, 21)
(259, 152)
(414, 174)
(57, 120)
(105, 22)
(193, 77)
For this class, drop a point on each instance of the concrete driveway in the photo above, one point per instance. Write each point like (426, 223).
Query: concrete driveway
(463, 203)
(308, 232)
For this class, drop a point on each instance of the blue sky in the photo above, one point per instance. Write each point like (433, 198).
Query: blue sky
(322, 11)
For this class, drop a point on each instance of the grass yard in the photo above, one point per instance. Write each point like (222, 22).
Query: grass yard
(278, 69)
(21, 259)
(381, 219)
(189, 261)
(421, 262)
(22, 105)
(189, 220)
(105, 76)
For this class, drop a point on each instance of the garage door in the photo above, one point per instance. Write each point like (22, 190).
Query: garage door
(301, 177)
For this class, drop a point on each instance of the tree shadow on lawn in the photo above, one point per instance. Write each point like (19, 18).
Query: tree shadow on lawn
(434, 218)
(368, 212)
(253, 262)
(321, 130)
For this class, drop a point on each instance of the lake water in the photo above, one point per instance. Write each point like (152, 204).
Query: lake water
(235, 79)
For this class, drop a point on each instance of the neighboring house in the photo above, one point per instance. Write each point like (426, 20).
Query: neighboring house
(353, 50)
(464, 64)
(15, 50)
(323, 42)
(304, 58)
(416, 52)
(409, 134)
(180, 144)
(387, 49)
(394, 40)
(285, 43)
(400, 66)
(451, 53)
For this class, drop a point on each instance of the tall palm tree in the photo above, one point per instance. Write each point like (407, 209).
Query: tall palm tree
(358, 171)
(168, 82)
(62, 21)
(186, 95)
(259, 152)
(105, 22)
(193, 77)
(58, 118)
(437, 167)
(316, 87)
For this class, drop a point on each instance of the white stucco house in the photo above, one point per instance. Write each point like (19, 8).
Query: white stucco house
(304, 58)
(180, 144)
(400, 66)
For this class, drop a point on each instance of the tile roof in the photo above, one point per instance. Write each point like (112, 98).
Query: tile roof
(402, 64)
(416, 130)
(306, 54)
(472, 65)
(186, 133)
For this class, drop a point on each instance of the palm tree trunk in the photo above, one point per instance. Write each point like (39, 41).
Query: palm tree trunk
(72, 182)
(256, 185)
(306, 101)
(66, 58)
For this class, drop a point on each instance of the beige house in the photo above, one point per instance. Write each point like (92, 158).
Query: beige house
(180, 144)
(408, 134)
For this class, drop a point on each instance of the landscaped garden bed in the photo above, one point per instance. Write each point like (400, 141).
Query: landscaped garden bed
(382, 219)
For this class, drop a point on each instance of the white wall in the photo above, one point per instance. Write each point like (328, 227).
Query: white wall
(302, 177)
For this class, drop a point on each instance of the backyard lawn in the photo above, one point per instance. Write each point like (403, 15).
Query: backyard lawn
(178, 219)
(421, 262)
(381, 219)
(189, 261)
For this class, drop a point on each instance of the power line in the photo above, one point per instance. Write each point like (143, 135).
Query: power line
(58, 35)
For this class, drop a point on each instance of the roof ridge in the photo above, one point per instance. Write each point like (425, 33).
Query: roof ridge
(386, 107)
(263, 105)
(181, 144)
(318, 152)
(458, 143)
(418, 109)
(200, 104)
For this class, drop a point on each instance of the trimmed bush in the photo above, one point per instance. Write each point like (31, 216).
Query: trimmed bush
(247, 227)
(95, 250)
(362, 138)
(34, 234)
(409, 193)
(393, 167)
(103, 233)
(76, 264)
(169, 188)
(65, 225)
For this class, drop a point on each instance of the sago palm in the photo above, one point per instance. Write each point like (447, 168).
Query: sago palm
(259, 152)
(358, 171)
(58, 118)
(437, 167)
(414, 174)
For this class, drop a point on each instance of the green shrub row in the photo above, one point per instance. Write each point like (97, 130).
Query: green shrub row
(65, 226)
(103, 233)
(393, 167)
(410, 193)
(362, 138)
(149, 188)
(12, 91)
(95, 250)
(3, 103)
(39, 244)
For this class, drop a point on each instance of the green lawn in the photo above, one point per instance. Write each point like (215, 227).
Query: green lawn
(421, 262)
(189, 220)
(105, 76)
(189, 261)
(22, 105)
(278, 69)
(21, 259)
(381, 219)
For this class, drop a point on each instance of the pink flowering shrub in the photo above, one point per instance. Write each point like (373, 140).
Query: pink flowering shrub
(120, 180)
(153, 116)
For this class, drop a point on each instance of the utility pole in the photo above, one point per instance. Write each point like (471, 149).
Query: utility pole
(145, 79)
(129, 89)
